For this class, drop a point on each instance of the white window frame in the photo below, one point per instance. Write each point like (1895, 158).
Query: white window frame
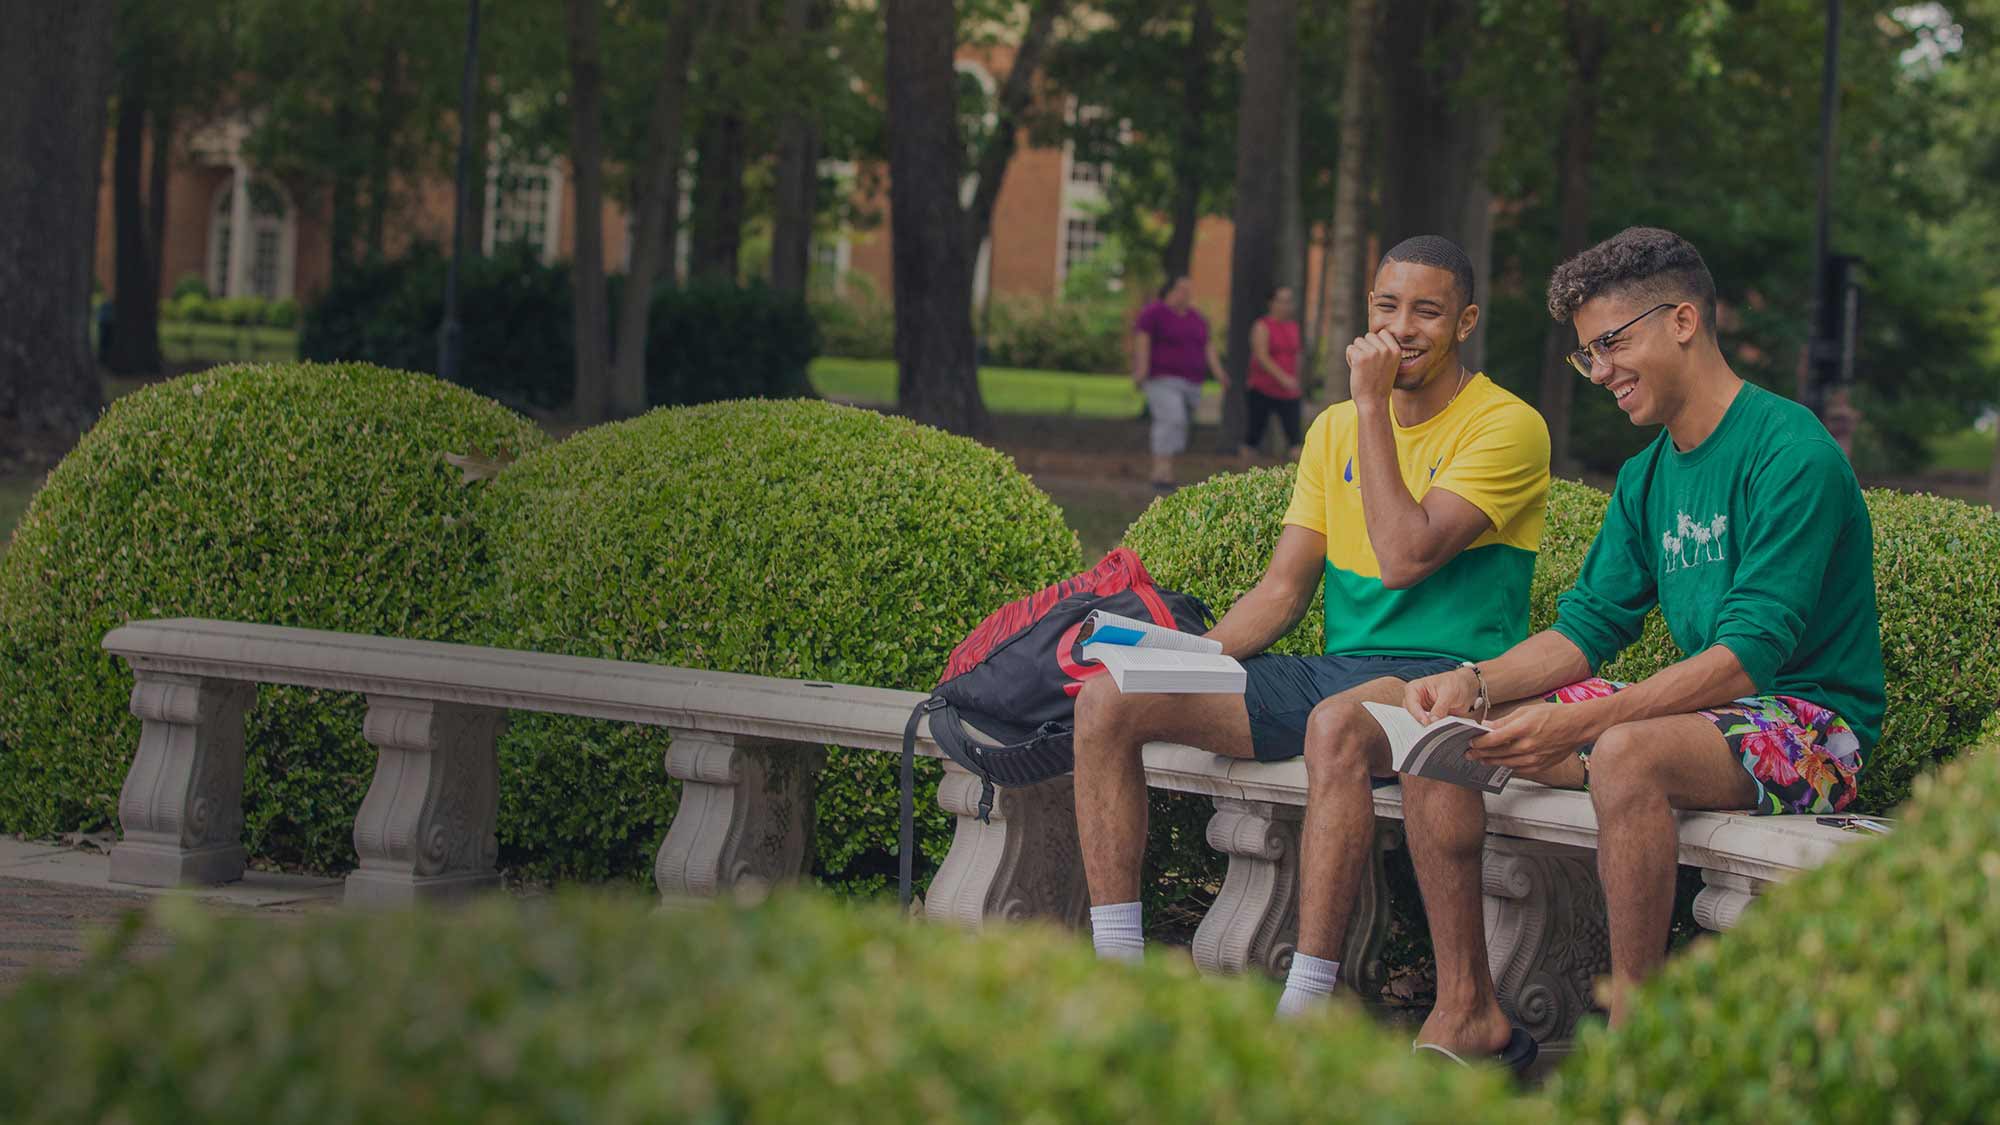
(552, 220)
(217, 272)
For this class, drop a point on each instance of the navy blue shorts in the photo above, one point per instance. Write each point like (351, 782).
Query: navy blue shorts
(1281, 692)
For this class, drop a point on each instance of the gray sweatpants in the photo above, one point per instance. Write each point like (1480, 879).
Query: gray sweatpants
(1172, 403)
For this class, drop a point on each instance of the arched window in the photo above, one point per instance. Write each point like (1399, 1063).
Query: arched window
(273, 241)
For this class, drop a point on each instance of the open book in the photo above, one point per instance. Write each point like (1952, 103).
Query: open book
(1143, 657)
(1437, 750)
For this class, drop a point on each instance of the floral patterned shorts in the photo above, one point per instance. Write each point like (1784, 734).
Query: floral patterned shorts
(1804, 758)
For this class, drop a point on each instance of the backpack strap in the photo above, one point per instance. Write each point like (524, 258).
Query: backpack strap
(906, 841)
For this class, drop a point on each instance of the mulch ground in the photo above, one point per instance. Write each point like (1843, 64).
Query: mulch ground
(51, 926)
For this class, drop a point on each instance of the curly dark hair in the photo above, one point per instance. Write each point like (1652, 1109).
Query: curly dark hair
(1438, 252)
(1644, 263)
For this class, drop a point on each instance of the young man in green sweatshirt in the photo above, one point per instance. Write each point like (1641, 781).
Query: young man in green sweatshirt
(1743, 523)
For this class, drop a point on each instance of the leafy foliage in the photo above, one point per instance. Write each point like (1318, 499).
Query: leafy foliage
(1057, 336)
(604, 1010)
(705, 342)
(1855, 992)
(796, 539)
(302, 495)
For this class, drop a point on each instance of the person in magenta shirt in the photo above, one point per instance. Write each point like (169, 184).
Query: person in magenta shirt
(1172, 355)
(1273, 389)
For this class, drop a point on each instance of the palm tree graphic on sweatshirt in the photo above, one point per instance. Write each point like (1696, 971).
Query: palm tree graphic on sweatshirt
(1693, 542)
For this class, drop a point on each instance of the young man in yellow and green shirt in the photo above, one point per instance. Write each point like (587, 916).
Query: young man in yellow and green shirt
(1416, 516)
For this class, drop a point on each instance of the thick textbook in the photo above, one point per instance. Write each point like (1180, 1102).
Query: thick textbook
(1143, 657)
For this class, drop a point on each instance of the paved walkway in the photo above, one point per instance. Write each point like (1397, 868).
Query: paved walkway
(54, 898)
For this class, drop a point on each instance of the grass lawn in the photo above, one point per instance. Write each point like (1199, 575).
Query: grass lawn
(1007, 390)
(182, 342)
(1967, 451)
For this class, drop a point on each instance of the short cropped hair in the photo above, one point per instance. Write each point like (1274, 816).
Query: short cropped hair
(1438, 252)
(1645, 263)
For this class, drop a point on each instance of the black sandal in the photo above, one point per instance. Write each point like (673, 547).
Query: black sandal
(1517, 1056)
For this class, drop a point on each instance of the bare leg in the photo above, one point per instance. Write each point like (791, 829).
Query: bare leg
(1446, 826)
(1639, 773)
(1111, 730)
(1163, 468)
(1345, 748)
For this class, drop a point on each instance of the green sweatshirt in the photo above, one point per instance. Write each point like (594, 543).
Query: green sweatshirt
(1757, 540)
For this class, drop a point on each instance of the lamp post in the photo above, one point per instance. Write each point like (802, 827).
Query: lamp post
(449, 333)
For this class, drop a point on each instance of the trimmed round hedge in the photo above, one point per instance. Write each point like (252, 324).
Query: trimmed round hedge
(1937, 579)
(779, 538)
(1863, 991)
(602, 1010)
(301, 494)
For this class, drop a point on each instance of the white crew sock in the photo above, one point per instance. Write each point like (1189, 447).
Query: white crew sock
(1308, 985)
(1115, 932)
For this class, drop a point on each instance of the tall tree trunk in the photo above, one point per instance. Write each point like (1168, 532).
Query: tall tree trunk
(1436, 142)
(1197, 67)
(1587, 42)
(930, 238)
(657, 189)
(1260, 128)
(55, 74)
(1016, 95)
(797, 201)
(389, 109)
(724, 154)
(587, 171)
(344, 197)
(1341, 295)
(1292, 230)
(135, 335)
(156, 201)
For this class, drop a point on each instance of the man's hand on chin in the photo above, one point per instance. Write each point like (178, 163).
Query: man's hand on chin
(1371, 366)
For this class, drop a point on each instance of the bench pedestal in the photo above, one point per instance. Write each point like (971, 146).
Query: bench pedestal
(1024, 863)
(1547, 940)
(1254, 922)
(745, 820)
(1723, 898)
(181, 809)
(426, 827)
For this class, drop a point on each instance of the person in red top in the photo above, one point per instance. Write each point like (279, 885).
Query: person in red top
(1273, 389)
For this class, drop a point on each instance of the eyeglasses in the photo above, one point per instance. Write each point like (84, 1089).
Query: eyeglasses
(1592, 353)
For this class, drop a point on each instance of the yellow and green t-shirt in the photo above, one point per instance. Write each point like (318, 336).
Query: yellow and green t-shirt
(1487, 447)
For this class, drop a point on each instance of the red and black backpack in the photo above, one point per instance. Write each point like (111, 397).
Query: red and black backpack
(1005, 706)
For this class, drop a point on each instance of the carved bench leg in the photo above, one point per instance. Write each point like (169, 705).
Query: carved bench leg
(1723, 898)
(1547, 939)
(181, 810)
(1254, 922)
(426, 827)
(745, 819)
(1024, 864)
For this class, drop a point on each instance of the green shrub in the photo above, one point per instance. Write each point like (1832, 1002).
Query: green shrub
(709, 342)
(856, 329)
(282, 314)
(794, 539)
(517, 329)
(1937, 590)
(1214, 540)
(604, 1010)
(1057, 336)
(704, 342)
(191, 308)
(301, 495)
(190, 283)
(1865, 990)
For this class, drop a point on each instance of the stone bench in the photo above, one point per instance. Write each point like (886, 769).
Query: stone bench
(746, 749)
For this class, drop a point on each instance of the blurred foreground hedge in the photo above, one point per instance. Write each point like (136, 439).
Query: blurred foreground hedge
(603, 1010)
